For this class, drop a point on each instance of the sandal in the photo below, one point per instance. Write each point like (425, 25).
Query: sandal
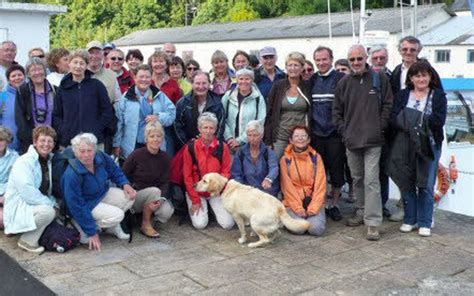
(149, 231)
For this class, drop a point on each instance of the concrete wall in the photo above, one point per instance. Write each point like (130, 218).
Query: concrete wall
(27, 30)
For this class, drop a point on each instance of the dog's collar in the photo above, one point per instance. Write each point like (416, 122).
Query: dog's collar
(224, 188)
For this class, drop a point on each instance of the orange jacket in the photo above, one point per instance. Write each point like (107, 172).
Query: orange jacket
(291, 185)
(207, 163)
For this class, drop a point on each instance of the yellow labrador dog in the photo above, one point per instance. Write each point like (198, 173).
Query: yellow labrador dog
(265, 213)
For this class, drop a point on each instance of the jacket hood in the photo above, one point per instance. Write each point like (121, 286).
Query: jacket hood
(290, 153)
(131, 95)
(254, 94)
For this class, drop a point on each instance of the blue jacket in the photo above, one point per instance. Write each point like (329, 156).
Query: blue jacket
(23, 193)
(83, 190)
(128, 115)
(251, 174)
(322, 92)
(187, 114)
(264, 83)
(7, 108)
(247, 112)
(6, 163)
(81, 107)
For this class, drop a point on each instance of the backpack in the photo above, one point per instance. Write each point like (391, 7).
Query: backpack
(241, 156)
(177, 192)
(59, 238)
(60, 162)
(377, 87)
(176, 171)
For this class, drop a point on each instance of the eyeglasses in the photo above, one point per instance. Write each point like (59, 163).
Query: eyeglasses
(116, 59)
(268, 57)
(302, 137)
(41, 56)
(405, 49)
(359, 59)
(191, 68)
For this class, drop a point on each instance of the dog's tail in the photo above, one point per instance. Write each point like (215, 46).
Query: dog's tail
(294, 225)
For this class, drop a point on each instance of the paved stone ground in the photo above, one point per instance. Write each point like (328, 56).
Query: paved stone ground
(210, 262)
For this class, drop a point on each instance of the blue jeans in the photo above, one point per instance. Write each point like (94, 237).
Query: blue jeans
(419, 201)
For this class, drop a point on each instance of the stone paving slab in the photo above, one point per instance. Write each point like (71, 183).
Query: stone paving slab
(185, 261)
(169, 284)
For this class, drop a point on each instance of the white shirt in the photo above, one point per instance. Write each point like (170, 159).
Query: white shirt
(403, 76)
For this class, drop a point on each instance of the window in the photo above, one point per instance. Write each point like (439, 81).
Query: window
(470, 55)
(442, 56)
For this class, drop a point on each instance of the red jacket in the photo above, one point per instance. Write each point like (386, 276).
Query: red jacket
(125, 80)
(207, 163)
(171, 89)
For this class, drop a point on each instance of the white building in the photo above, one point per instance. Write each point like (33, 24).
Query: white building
(287, 34)
(27, 25)
(450, 46)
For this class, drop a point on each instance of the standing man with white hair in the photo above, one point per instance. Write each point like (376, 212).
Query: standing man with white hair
(361, 112)
(7, 58)
(170, 50)
(379, 59)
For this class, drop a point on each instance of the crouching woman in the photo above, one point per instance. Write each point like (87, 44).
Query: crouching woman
(303, 181)
(29, 205)
(90, 200)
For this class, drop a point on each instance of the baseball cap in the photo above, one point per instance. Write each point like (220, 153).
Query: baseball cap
(93, 44)
(109, 45)
(268, 50)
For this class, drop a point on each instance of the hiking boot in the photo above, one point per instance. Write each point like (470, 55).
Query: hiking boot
(27, 247)
(386, 212)
(407, 228)
(372, 233)
(424, 231)
(334, 213)
(355, 220)
(118, 232)
(398, 216)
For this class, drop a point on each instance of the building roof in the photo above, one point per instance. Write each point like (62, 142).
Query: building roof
(29, 7)
(460, 5)
(458, 30)
(316, 25)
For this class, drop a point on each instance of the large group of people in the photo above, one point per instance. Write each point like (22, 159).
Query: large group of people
(299, 134)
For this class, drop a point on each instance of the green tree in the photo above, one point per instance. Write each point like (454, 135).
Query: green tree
(240, 11)
(211, 11)
(270, 8)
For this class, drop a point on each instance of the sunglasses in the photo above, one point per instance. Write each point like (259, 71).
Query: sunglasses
(405, 49)
(308, 70)
(41, 56)
(379, 58)
(116, 59)
(191, 68)
(359, 59)
(268, 57)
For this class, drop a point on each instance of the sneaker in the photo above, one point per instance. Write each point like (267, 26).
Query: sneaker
(424, 231)
(25, 246)
(372, 233)
(407, 228)
(118, 232)
(355, 220)
(334, 213)
(397, 217)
